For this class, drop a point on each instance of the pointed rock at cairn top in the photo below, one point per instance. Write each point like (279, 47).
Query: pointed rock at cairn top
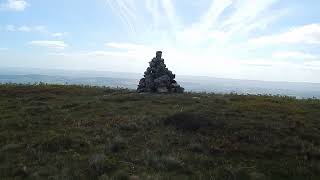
(159, 55)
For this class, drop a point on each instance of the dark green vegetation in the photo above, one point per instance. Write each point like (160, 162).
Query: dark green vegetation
(73, 132)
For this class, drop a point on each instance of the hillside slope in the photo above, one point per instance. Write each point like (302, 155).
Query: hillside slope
(74, 132)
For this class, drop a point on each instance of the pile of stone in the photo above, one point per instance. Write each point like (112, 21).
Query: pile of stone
(158, 78)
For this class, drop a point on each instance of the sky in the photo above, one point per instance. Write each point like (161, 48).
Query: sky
(270, 40)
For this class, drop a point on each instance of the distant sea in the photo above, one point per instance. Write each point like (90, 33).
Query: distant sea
(130, 81)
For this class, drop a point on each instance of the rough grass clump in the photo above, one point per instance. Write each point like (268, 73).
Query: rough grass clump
(239, 173)
(196, 147)
(63, 143)
(100, 164)
(162, 162)
(188, 121)
(117, 144)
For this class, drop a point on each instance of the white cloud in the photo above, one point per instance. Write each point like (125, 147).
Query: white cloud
(135, 57)
(24, 29)
(127, 46)
(103, 53)
(14, 5)
(50, 44)
(131, 50)
(59, 34)
(42, 29)
(209, 64)
(91, 54)
(218, 35)
(10, 28)
(292, 55)
(128, 51)
(35, 29)
(307, 34)
(315, 65)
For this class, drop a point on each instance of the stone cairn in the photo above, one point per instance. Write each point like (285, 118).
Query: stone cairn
(158, 78)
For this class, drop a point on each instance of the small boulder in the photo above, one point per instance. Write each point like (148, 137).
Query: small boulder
(162, 90)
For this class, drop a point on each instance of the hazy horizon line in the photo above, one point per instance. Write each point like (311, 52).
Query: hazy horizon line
(137, 73)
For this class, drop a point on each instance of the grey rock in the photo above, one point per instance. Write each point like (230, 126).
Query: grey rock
(158, 54)
(162, 90)
(163, 81)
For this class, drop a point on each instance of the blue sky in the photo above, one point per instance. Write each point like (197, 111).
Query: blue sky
(275, 40)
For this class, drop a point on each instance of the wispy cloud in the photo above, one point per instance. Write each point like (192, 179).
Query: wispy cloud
(25, 28)
(222, 17)
(126, 10)
(131, 50)
(204, 28)
(227, 21)
(153, 7)
(293, 55)
(161, 12)
(307, 34)
(10, 28)
(170, 12)
(115, 50)
(34, 29)
(222, 22)
(315, 65)
(90, 54)
(127, 46)
(245, 15)
(210, 17)
(60, 45)
(14, 5)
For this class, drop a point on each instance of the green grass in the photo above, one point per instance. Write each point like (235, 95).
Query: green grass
(79, 132)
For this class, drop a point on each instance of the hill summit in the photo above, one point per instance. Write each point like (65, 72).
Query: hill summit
(98, 133)
(158, 78)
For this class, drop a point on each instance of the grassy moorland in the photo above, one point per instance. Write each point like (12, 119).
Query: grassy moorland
(74, 132)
